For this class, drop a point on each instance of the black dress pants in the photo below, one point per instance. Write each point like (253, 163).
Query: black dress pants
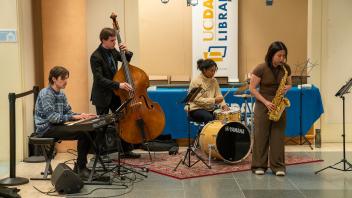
(63, 132)
(201, 115)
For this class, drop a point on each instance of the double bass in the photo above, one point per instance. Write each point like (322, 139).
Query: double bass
(143, 119)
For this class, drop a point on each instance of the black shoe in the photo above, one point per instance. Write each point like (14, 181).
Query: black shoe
(83, 173)
(130, 154)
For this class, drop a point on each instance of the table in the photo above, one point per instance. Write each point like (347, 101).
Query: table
(176, 117)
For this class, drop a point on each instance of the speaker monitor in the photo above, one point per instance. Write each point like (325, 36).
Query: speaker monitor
(65, 180)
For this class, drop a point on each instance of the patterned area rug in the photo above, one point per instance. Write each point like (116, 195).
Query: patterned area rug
(164, 164)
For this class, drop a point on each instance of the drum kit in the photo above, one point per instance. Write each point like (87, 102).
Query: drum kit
(230, 136)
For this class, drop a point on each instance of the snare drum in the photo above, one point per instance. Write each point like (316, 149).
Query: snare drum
(234, 114)
(232, 140)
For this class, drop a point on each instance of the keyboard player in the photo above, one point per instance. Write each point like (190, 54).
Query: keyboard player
(52, 110)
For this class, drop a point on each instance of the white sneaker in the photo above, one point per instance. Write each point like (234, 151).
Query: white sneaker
(280, 173)
(259, 172)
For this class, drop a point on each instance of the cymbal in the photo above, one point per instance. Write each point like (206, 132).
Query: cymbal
(244, 96)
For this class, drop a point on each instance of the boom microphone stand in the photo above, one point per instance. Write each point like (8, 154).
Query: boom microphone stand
(189, 98)
(343, 90)
(120, 167)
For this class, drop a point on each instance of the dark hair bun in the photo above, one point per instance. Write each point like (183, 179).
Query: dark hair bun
(199, 63)
(203, 64)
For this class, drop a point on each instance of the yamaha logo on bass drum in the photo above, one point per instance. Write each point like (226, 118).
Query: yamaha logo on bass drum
(234, 130)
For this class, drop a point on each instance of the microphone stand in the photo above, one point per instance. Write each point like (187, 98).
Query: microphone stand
(119, 167)
(121, 170)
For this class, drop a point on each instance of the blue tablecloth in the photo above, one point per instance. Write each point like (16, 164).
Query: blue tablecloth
(176, 117)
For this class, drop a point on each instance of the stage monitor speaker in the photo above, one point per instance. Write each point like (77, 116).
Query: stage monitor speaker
(65, 180)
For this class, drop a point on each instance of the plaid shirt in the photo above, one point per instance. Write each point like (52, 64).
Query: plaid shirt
(51, 108)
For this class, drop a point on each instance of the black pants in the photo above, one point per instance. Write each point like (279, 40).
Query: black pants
(201, 115)
(126, 147)
(63, 132)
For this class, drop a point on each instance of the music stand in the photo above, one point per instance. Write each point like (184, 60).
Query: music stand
(301, 109)
(341, 93)
(189, 98)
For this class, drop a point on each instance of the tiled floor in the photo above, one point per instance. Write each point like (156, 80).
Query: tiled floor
(300, 181)
(4, 166)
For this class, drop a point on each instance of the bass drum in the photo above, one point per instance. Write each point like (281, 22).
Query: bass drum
(232, 140)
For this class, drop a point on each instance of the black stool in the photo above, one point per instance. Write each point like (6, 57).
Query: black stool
(47, 146)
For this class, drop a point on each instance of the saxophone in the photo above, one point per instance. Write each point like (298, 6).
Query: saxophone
(279, 100)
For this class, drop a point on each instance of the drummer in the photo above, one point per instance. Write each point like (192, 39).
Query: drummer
(203, 106)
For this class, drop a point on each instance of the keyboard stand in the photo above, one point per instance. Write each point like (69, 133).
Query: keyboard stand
(96, 160)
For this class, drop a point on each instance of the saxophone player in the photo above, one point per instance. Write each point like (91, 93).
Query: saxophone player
(273, 77)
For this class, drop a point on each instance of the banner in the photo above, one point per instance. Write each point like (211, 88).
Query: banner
(215, 36)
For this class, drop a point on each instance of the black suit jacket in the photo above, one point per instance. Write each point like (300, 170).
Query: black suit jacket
(103, 85)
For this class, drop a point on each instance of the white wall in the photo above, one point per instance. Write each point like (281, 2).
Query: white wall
(17, 64)
(98, 17)
(27, 67)
(11, 75)
(330, 46)
(165, 37)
